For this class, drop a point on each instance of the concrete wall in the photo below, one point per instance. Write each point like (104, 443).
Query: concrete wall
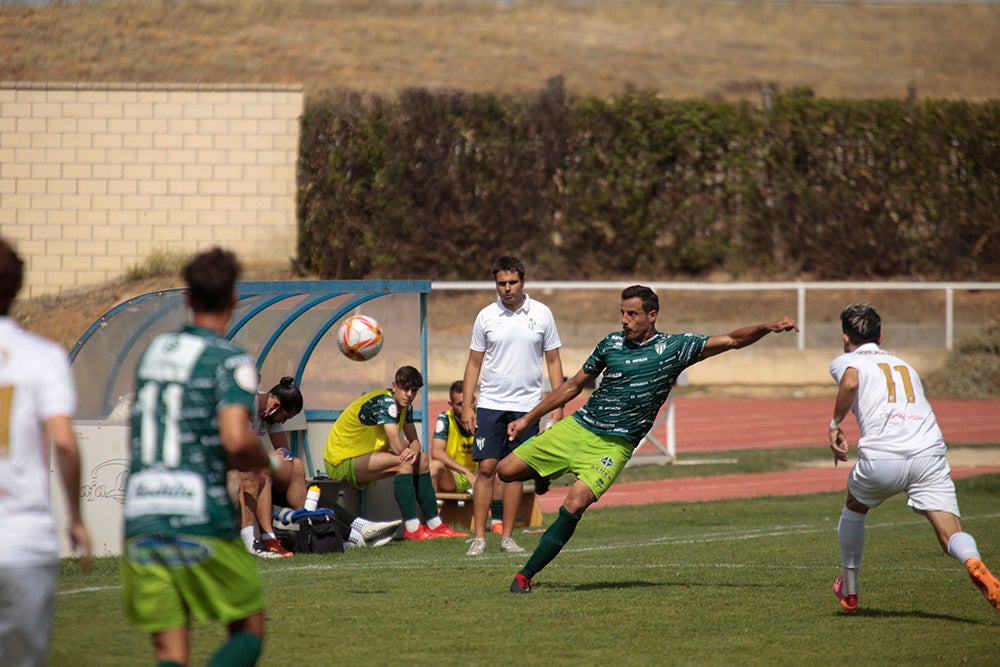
(94, 178)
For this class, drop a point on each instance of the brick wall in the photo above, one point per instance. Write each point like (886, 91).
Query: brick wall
(93, 178)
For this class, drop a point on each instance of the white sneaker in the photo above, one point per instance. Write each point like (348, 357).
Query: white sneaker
(381, 542)
(374, 531)
(478, 546)
(510, 546)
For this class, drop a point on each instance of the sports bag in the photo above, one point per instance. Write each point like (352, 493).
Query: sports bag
(312, 532)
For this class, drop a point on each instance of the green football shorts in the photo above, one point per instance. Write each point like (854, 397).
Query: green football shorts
(461, 482)
(344, 472)
(595, 459)
(168, 579)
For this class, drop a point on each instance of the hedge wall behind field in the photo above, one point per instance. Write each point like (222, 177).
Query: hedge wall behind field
(433, 184)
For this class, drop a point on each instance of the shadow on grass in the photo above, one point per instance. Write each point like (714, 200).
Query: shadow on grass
(607, 585)
(888, 613)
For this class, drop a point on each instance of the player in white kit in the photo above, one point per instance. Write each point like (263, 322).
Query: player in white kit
(901, 449)
(37, 400)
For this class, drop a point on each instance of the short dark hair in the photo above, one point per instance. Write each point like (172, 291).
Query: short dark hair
(408, 377)
(508, 263)
(457, 387)
(861, 322)
(211, 277)
(650, 301)
(288, 395)
(11, 276)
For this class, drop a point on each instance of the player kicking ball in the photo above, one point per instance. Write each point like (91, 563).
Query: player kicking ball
(640, 366)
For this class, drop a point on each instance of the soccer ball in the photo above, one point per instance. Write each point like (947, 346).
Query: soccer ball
(360, 338)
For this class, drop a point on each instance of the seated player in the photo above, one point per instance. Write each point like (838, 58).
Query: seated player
(258, 497)
(375, 438)
(452, 468)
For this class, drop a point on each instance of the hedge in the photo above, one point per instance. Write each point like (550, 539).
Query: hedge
(435, 184)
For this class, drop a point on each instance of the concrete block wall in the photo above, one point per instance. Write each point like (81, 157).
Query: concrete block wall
(94, 178)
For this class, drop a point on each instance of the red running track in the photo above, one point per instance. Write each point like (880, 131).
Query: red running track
(719, 424)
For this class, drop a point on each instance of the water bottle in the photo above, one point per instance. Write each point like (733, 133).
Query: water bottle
(312, 498)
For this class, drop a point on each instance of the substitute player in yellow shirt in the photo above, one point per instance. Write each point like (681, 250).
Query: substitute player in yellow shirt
(375, 438)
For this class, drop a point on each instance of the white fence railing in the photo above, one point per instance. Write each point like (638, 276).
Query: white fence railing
(801, 290)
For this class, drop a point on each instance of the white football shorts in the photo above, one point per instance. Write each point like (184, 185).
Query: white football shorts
(926, 480)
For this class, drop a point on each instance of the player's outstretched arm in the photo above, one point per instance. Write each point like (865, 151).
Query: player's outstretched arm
(557, 398)
(744, 336)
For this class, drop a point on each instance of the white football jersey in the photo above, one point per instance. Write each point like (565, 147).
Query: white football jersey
(895, 419)
(35, 384)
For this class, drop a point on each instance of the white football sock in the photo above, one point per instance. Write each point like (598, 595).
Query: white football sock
(851, 540)
(962, 547)
(434, 522)
(355, 535)
(411, 524)
(246, 534)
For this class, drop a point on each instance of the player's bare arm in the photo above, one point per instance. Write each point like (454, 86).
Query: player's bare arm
(60, 430)
(847, 390)
(745, 336)
(397, 445)
(559, 397)
(439, 447)
(553, 362)
(243, 446)
(473, 367)
(412, 439)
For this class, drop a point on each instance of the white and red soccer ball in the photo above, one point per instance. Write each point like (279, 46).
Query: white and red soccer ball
(360, 338)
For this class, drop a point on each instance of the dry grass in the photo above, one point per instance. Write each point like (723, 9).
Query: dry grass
(682, 49)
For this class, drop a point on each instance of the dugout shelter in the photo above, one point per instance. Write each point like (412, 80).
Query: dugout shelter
(288, 327)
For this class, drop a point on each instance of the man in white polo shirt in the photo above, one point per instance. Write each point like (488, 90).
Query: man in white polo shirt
(510, 339)
(37, 400)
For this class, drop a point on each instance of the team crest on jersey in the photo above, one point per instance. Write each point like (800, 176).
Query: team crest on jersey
(480, 443)
(607, 461)
(660, 346)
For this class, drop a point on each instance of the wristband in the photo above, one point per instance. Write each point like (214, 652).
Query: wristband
(834, 425)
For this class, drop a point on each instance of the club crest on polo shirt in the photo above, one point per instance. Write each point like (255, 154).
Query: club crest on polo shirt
(480, 443)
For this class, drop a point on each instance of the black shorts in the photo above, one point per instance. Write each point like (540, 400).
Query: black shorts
(491, 434)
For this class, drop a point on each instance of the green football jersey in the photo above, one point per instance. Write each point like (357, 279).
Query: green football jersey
(177, 477)
(637, 379)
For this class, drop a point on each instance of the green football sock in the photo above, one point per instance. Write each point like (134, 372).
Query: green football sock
(241, 649)
(552, 542)
(425, 495)
(496, 509)
(406, 496)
